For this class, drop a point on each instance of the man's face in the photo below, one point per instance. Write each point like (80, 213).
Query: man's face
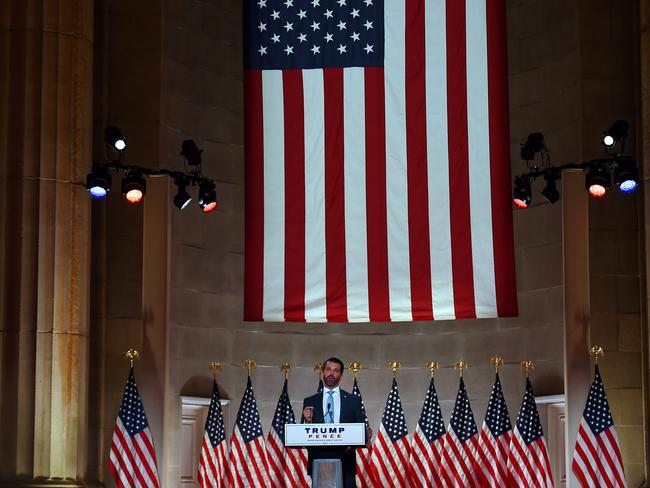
(332, 374)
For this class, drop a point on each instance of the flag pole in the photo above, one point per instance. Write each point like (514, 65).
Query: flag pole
(285, 367)
(596, 352)
(394, 365)
(432, 366)
(318, 368)
(497, 362)
(461, 366)
(527, 366)
(355, 367)
(132, 355)
(214, 368)
(249, 364)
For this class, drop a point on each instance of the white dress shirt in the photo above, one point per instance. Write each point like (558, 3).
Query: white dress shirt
(336, 397)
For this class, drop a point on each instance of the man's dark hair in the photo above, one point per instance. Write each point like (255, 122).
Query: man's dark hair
(334, 360)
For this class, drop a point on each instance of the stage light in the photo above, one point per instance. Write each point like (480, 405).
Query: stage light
(617, 132)
(626, 175)
(597, 182)
(207, 196)
(134, 187)
(114, 138)
(98, 182)
(182, 198)
(191, 152)
(522, 193)
(550, 192)
(534, 144)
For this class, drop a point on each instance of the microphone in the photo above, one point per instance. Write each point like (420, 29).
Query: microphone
(325, 415)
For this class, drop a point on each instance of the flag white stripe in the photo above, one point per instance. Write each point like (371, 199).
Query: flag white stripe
(589, 459)
(478, 133)
(611, 449)
(399, 278)
(354, 179)
(116, 463)
(273, 123)
(315, 257)
(140, 463)
(438, 160)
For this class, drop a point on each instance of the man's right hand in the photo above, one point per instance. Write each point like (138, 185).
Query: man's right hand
(308, 414)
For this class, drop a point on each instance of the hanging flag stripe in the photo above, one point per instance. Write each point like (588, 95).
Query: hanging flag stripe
(375, 131)
(381, 192)
(294, 195)
(500, 179)
(254, 179)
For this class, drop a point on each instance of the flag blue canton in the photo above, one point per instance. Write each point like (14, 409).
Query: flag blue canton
(597, 413)
(248, 418)
(462, 417)
(528, 422)
(308, 34)
(214, 423)
(393, 419)
(431, 421)
(357, 392)
(131, 410)
(283, 412)
(497, 417)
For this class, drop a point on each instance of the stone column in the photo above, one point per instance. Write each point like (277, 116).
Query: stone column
(45, 153)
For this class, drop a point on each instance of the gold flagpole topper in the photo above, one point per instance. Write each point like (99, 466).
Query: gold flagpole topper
(596, 352)
(214, 368)
(285, 367)
(527, 366)
(461, 366)
(132, 355)
(497, 362)
(394, 365)
(432, 366)
(355, 367)
(249, 364)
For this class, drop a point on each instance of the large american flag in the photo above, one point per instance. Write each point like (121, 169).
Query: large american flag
(214, 451)
(132, 460)
(494, 441)
(597, 457)
(528, 462)
(287, 466)
(247, 463)
(391, 450)
(364, 476)
(459, 454)
(428, 442)
(377, 161)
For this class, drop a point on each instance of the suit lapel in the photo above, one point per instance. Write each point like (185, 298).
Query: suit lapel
(318, 409)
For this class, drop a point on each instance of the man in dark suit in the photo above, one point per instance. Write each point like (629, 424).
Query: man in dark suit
(334, 405)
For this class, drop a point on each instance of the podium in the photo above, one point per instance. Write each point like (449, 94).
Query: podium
(326, 473)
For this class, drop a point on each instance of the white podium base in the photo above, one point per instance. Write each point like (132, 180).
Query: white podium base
(327, 473)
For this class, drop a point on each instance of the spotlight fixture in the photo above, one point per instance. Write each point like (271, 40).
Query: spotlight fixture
(191, 152)
(550, 192)
(597, 182)
(207, 196)
(534, 144)
(616, 133)
(182, 198)
(626, 175)
(134, 187)
(522, 194)
(98, 182)
(114, 138)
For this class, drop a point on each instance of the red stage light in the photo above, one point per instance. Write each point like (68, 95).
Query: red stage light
(134, 196)
(210, 207)
(520, 203)
(597, 191)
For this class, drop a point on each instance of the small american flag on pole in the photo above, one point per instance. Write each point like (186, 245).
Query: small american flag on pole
(528, 463)
(391, 450)
(287, 466)
(597, 457)
(494, 441)
(428, 442)
(214, 451)
(377, 161)
(132, 460)
(364, 477)
(458, 464)
(247, 463)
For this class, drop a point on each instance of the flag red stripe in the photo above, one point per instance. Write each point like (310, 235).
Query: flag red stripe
(242, 464)
(254, 200)
(256, 447)
(334, 196)
(618, 462)
(416, 154)
(294, 196)
(394, 466)
(275, 458)
(604, 450)
(297, 469)
(135, 469)
(121, 468)
(586, 462)
(500, 179)
(376, 217)
(528, 471)
(448, 471)
(461, 235)
(597, 459)
(143, 456)
(420, 454)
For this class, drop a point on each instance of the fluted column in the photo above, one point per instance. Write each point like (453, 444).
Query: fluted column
(45, 137)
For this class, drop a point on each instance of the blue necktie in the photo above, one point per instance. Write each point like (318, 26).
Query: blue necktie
(329, 417)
